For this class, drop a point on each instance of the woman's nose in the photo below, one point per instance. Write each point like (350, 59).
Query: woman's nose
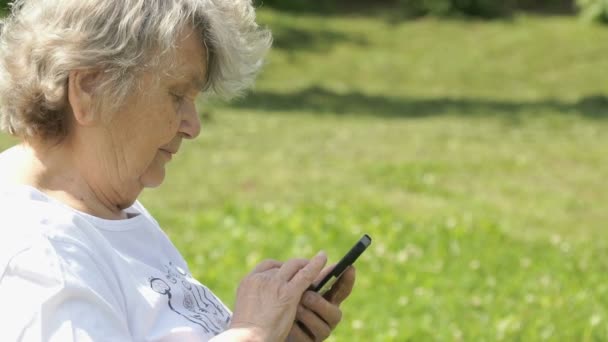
(191, 123)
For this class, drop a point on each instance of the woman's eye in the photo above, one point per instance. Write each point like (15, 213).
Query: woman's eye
(177, 98)
(178, 101)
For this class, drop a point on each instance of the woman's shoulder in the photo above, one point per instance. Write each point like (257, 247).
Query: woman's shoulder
(24, 206)
(9, 162)
(55, 255)
(29, 218)
(46, 241)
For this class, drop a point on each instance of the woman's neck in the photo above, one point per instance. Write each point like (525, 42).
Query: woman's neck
(55, 171)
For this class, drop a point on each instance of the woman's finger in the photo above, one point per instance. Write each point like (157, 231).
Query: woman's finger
(326, 311)
(306, 275)
(290, 268)
(298, 333)
(343, 287)
(266, 265)
(324, 272)
(311, 324)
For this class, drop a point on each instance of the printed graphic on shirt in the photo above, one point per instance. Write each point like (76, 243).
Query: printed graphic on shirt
(191, 300)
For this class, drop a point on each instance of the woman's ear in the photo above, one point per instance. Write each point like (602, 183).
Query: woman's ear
(81, 88)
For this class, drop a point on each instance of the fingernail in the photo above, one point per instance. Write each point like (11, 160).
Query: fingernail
(321, 253)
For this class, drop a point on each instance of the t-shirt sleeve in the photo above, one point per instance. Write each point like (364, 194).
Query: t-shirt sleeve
(57, 291)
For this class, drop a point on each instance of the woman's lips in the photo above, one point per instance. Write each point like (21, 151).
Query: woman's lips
(169, 154)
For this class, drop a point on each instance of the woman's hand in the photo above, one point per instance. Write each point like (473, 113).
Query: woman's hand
(268, 297)
(317, 316)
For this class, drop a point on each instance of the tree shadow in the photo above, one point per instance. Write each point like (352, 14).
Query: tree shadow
(331, 8)
(394, 10)
(548, 7)
(322, 101)
(291, 38)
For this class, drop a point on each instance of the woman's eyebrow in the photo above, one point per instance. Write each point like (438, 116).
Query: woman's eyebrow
(195, 79)
(191, 81)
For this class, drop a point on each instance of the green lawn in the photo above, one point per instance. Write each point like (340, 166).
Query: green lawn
(474, 153)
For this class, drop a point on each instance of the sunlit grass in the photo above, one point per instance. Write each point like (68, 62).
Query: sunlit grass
(472, 152)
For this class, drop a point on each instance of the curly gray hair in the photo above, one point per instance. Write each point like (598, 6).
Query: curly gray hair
(43, 40)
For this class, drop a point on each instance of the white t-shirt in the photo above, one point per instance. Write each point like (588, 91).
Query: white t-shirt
(68, 276)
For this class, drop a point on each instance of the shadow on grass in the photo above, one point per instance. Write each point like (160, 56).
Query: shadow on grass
(292, 39)
(323, 101)
(335, 7)
(396, 10)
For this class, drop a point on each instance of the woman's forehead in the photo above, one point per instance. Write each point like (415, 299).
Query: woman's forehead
(188, 62)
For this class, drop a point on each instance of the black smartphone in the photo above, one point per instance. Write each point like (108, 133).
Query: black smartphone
(328, 281)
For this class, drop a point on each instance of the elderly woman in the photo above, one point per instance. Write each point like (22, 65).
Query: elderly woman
(101, 94)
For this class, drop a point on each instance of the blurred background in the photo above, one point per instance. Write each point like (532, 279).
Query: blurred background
(467, 137)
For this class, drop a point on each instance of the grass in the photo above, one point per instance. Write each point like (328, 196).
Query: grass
(472, 152)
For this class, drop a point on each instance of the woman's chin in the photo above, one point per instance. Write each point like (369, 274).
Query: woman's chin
(154, 177)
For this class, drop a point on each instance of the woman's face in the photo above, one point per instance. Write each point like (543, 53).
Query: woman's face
(148, 130)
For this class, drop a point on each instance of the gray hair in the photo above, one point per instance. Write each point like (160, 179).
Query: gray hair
(43, 40)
